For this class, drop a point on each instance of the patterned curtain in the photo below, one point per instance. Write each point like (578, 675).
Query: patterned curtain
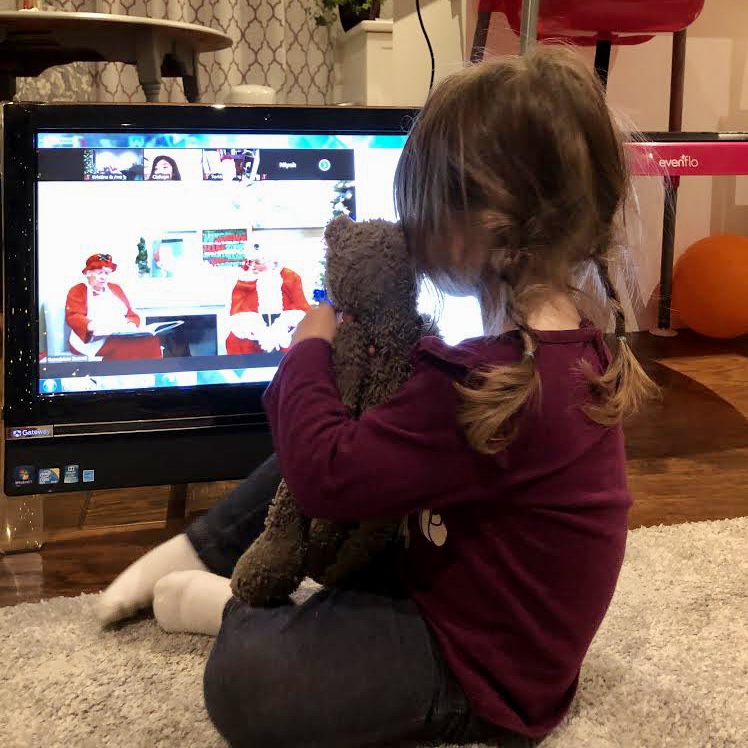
(276, 43)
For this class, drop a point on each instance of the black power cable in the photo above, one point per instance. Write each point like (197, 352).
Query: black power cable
(428, 44)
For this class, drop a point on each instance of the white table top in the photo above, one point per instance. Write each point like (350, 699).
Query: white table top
(201, 38)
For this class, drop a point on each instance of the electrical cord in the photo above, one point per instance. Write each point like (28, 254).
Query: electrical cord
(428, 44)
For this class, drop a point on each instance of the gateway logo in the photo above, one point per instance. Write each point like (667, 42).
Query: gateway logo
(29, 432)
(684, 162)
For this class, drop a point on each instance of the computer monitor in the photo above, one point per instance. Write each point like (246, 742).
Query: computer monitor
(157, 260)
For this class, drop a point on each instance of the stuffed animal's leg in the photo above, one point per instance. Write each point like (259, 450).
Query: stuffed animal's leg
(273, 566)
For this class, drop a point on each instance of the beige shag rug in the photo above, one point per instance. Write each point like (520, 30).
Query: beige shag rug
(669, 666)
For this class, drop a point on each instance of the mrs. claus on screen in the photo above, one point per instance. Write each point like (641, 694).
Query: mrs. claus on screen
(101, 318)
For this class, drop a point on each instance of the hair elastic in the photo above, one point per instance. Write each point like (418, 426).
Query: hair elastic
(528, 354)
(622, 338)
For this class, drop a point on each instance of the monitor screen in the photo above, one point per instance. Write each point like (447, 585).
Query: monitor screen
(184, 259)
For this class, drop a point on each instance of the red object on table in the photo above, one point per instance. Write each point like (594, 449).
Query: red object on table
(586, 22)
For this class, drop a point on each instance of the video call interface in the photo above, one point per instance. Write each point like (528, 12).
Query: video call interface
(181, 260)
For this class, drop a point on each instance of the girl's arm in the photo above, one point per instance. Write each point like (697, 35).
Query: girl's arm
(402, 456)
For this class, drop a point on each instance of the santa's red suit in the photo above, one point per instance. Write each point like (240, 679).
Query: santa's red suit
(84, 305)
(278, 292)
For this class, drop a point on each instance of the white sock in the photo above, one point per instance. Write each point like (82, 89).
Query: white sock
(191, 602)
(132, 590)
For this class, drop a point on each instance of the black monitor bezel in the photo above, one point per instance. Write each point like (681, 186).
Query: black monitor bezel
(24, 405)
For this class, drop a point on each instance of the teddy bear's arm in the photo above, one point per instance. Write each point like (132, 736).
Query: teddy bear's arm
(362, 547)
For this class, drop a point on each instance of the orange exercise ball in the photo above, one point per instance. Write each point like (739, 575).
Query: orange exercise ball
(710, 286)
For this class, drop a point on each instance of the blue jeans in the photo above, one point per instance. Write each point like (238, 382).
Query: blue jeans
(344, 669)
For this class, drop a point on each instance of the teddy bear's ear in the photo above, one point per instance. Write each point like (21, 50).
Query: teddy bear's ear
(337, 229)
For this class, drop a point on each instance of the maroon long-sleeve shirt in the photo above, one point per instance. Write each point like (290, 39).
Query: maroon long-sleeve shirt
(512, 559)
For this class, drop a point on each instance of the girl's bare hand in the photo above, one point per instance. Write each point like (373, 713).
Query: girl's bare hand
(319, 322)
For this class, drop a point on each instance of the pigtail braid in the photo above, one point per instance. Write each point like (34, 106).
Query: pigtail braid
(622, 389)
(494, 396)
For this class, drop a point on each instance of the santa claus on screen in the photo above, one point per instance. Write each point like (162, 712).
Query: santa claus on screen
(101, 319)
(267, 303)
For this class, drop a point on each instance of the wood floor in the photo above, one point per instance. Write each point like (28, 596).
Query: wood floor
(688, 461)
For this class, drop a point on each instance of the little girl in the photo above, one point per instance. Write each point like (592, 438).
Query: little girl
(505, 452)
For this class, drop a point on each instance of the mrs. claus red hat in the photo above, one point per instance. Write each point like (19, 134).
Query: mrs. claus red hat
(97, 261)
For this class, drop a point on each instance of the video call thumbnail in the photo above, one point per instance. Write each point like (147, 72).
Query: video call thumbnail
(113, 164)
(173, 165)
(231, 164)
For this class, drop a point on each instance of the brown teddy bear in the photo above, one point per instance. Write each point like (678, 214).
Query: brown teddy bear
(369, 276)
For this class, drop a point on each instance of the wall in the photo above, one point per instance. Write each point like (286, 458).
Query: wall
(446, 22)
(716, 98)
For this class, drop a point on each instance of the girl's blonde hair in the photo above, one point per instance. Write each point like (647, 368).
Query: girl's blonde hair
(511, 186)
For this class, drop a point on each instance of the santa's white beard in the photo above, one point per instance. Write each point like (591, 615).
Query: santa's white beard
(269, 292)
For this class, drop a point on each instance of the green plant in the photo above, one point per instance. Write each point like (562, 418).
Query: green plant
(327, 12)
